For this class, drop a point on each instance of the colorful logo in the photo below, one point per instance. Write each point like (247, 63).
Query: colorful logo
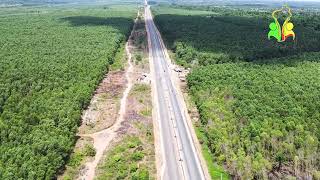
(287, 28)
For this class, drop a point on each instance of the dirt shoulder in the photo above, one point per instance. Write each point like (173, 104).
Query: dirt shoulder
(131, 154)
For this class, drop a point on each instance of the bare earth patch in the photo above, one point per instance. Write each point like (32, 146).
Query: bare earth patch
(135, 125)
(100, 123)
(104, 106)
(138, 123)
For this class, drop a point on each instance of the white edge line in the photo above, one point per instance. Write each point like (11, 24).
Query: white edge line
(155, 112)
(186, 116)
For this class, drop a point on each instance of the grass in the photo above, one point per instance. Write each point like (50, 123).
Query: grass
(125, 161)
(76, 160)
(132, 156)
(140, 89)
(146, 112)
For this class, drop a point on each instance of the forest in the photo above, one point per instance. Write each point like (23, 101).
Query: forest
(258, 99)
(221, 35)
(51, 60)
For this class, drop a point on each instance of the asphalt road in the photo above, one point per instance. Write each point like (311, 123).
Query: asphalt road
(180, 159)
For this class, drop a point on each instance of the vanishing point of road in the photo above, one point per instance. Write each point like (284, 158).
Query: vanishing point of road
(180, 159)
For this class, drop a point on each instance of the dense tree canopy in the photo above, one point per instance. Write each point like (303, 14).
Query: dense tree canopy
(217, 36)
(258, 99)
(259, 117)
(51, 60)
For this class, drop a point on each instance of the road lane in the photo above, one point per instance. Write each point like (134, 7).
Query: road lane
(180, 160)
(171, 167)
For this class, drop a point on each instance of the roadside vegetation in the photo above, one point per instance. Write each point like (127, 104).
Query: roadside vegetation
(84, 151)
(132, 154)
(258, 99)
(51, 60)
(140, 44)
(125, 161)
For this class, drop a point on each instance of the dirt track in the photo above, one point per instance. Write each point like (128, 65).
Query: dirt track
(102, 139)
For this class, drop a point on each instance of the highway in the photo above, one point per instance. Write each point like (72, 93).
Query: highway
(180, 159)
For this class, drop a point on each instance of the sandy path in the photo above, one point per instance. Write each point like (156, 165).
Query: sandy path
(102, 139)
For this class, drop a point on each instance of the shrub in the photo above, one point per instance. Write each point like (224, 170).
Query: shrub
(89, 150)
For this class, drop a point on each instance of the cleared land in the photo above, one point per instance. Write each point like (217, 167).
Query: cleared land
(258, 100)
(131, 155)
(51, 60)
(101, 114)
